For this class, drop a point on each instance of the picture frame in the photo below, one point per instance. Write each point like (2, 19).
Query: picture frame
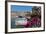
(11, 8)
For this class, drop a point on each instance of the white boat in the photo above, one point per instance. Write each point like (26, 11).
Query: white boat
(20, 21)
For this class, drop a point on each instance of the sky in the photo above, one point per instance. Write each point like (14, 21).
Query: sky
(21, 8)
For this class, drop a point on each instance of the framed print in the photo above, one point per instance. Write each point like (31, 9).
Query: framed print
(22, 16)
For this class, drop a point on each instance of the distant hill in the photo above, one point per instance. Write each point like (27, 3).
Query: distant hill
(20, 11)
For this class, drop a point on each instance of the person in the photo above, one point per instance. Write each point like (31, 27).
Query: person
(28, 17)
(33, 20)
(36, 21)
